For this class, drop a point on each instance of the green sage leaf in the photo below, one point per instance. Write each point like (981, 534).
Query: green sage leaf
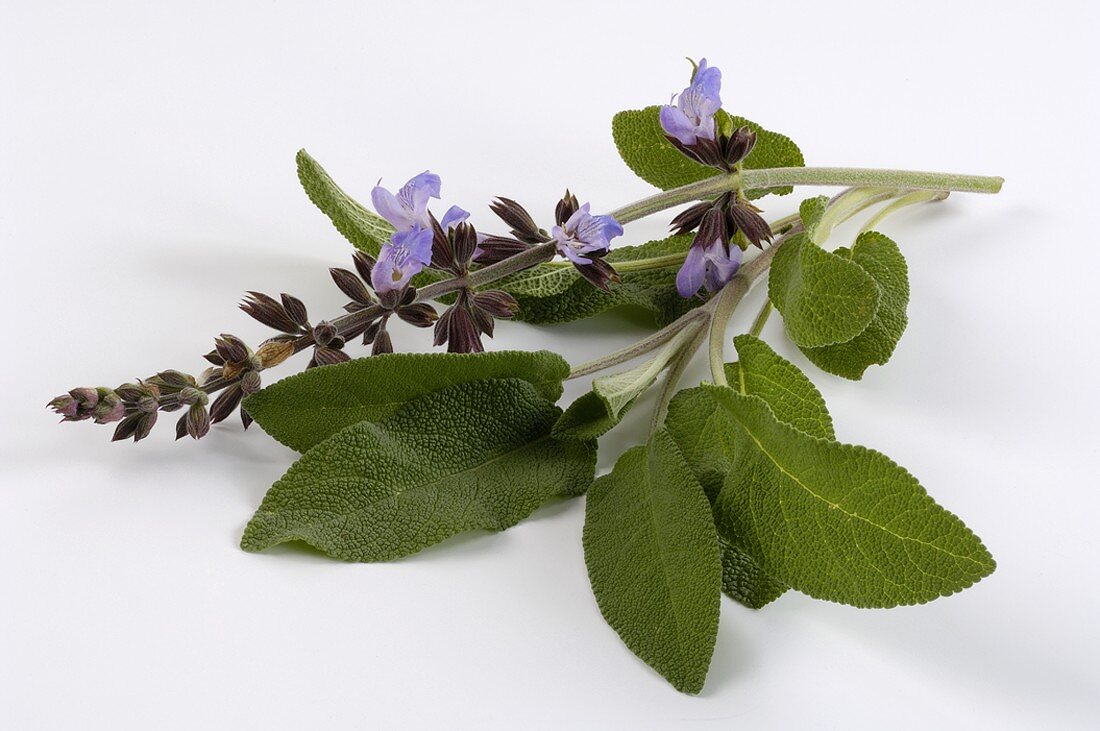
(475, 456)
(364, 229)
(837, 521)
(705, 433)
(824, 298)
(744, 581)
(643, 147)
(652, 557)
(305, 409)
(882, 259)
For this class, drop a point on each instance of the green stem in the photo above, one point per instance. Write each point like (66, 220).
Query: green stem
(641, 347)
(911, 199)
(779, 177)
(675, 372)
(869, 177)
(761, 318)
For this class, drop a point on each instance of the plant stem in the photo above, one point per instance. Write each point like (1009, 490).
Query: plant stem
(778, 177)
(917, 196)
(675, 372)
(761, 318)
(632, 351)
(870, 177)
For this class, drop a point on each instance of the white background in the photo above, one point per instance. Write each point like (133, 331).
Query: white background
(147, 179)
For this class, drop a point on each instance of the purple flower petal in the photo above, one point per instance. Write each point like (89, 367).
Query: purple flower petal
(722, 264)
(390, 208)
(453, 217)
(402, 257)
(690, 277)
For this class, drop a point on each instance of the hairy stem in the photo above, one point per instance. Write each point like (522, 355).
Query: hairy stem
(643, 346)
(911, 199)
(778, 177)
(675, 372)
(761, 318)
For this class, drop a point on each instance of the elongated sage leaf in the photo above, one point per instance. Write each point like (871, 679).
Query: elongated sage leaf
(837, 521)
(824, 298)
(652, 556)
(364, 229)
(305, 409)
(643, 147)
(882, 259)
(705, 433)
(475, 456)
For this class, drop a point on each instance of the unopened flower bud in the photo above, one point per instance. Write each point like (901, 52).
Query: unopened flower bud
(147, 404)
(87, 398)
(274, 352)
(190, 396)
(324, 332)
(250, 382)
(66, 407)
(198, 421)
(110, 408)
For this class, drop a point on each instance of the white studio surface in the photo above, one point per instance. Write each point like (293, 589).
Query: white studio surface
(147, 179)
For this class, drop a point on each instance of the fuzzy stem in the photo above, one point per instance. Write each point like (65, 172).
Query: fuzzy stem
(643, 346)
(778, 177)
(914, 198)
(761, 318)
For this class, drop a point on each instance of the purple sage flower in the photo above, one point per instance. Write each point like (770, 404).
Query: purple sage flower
(403, 256)
(712, 266)
(583, 236)
(409, 208)
(693, 116)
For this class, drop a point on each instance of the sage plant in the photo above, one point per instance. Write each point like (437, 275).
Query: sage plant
(741, 488)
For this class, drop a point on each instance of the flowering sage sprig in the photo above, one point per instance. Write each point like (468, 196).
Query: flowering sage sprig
(741, 487)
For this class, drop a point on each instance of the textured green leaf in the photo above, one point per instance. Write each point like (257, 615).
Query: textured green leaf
(305, 409)
(364, 229)
(475, 456)
(705, 433)
(652, 557)
(810, 211)
(824, 298)
(653, 290)
(744, 581)
(837, 521)
(586, 418)
(882, 259)
(644, 149)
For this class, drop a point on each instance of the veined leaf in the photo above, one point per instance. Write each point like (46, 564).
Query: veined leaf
(652, 557)
(363, 228)
(305, 409)
(837, 521)
(643, 147)
(476, 456)
(824, 298)
(705, 433)
(882, 259)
